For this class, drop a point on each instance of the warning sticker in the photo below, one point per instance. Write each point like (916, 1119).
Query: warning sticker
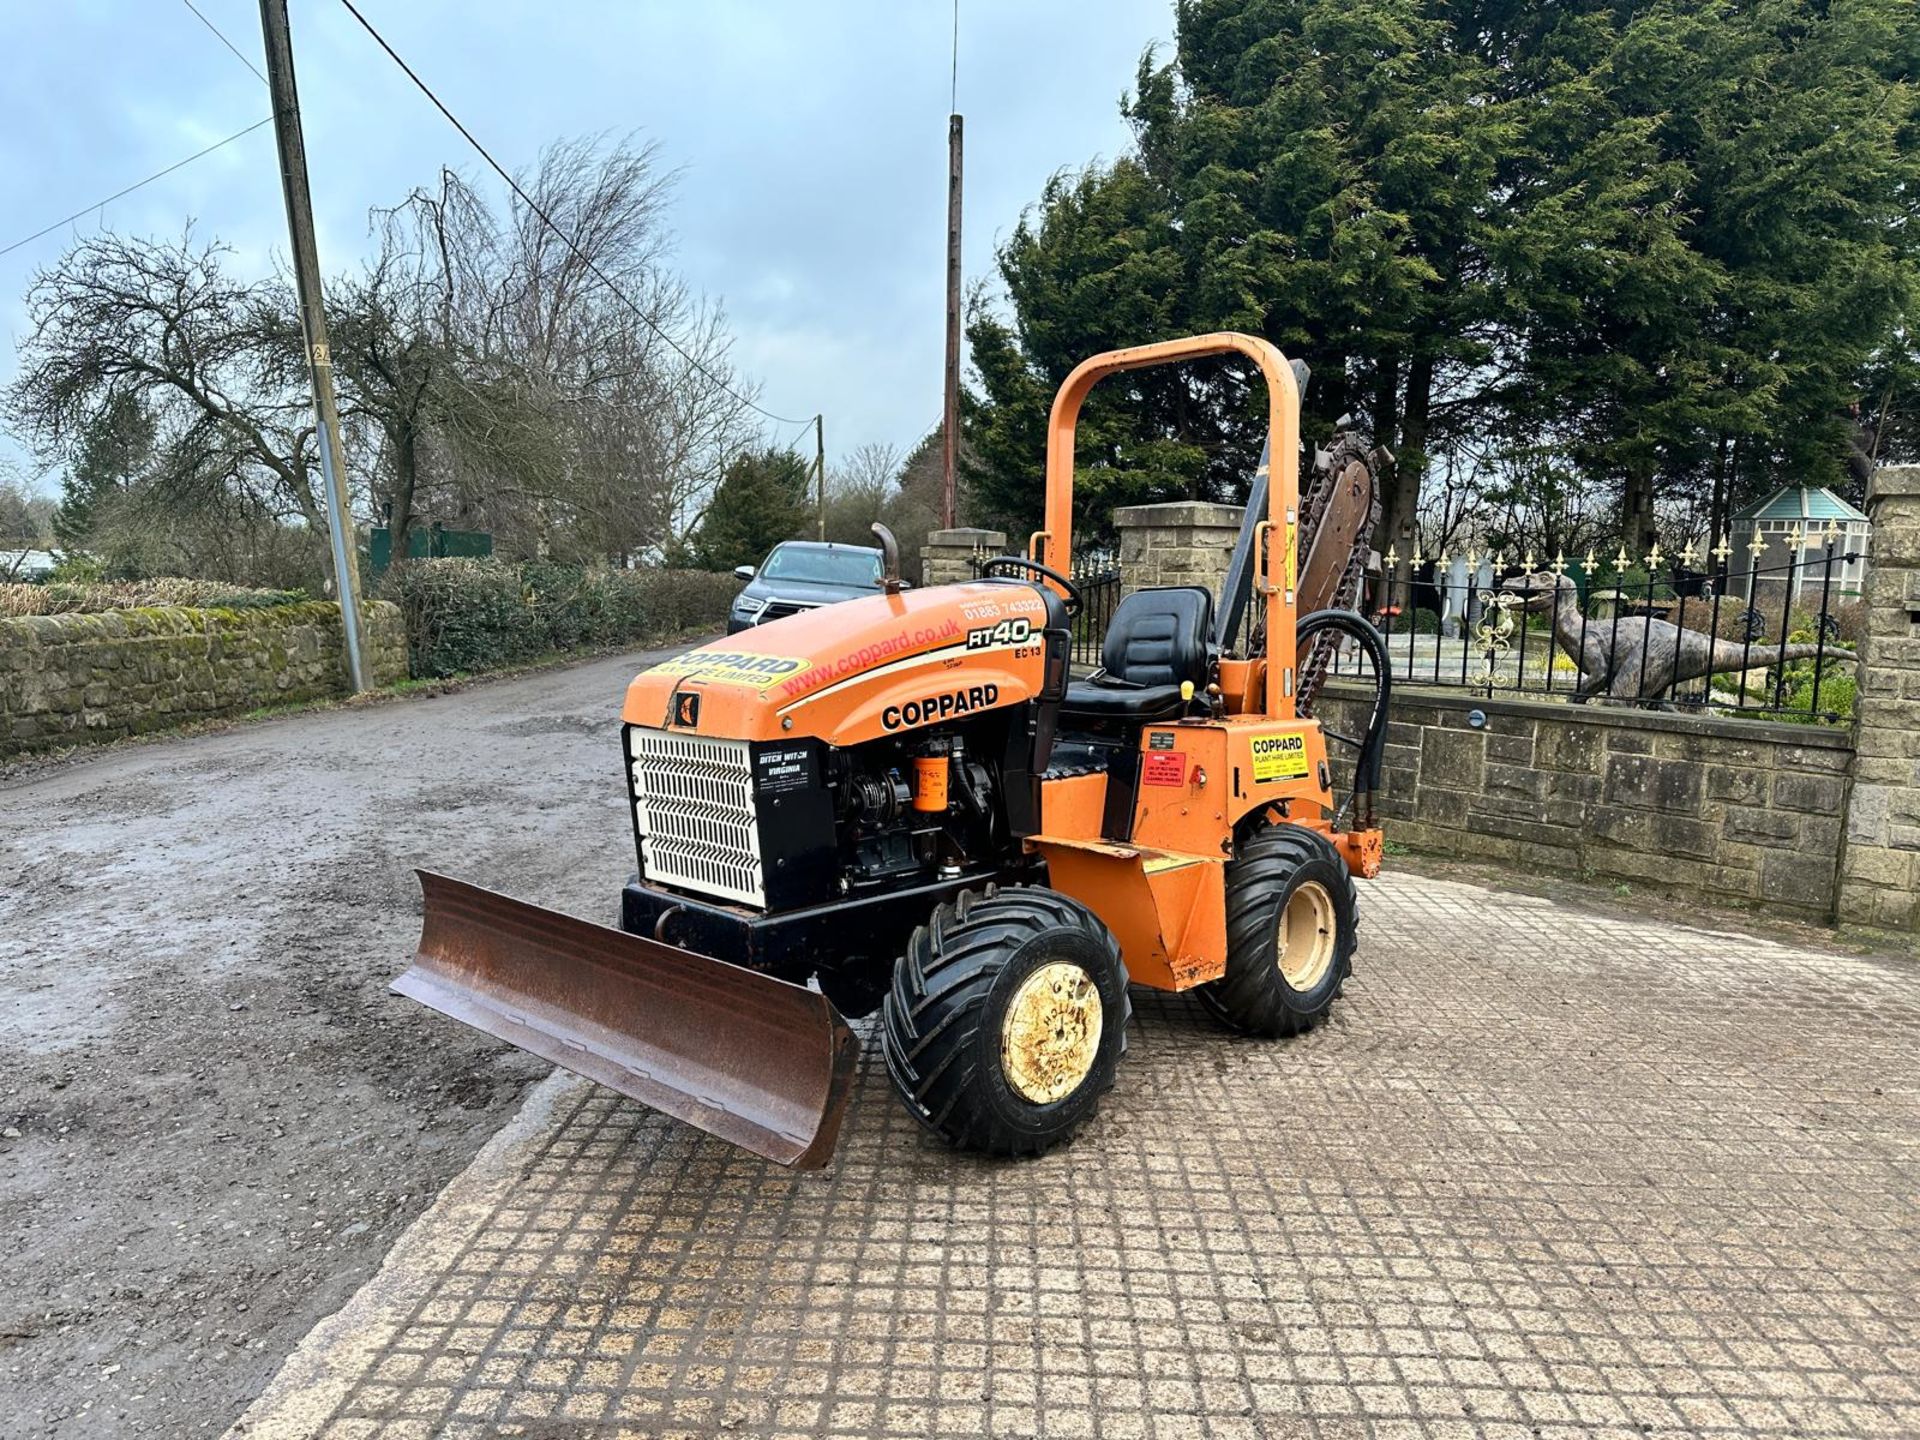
(1164, 768)
(1279, 757)
(729, 667)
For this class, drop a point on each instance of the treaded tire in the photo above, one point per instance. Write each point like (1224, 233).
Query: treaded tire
(1269, 865)
(942, 1021)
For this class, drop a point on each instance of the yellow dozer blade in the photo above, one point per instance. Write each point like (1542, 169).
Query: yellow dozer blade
(756, 1061)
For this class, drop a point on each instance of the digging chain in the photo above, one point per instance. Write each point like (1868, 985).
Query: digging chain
(1348, 447)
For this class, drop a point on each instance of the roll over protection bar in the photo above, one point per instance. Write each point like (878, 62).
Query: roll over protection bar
(1273, 537)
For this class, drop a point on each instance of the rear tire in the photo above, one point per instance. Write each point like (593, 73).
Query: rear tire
(1292, 918)
(1006, 1020)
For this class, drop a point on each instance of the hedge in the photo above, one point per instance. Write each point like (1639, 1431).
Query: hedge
(469, 615)
(66, 598)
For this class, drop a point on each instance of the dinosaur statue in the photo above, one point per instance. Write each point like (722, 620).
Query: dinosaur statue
(1640, 658)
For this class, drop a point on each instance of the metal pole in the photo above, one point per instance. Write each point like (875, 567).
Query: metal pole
(950, 458)
(306, 276)
(820, 471)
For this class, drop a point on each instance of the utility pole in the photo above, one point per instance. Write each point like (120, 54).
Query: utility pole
(306, 276)
(820, 471)
(950, 457)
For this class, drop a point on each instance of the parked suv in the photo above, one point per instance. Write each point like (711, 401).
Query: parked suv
(803, 575)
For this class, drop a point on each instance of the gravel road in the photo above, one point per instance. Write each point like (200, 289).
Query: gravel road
(214, 1119)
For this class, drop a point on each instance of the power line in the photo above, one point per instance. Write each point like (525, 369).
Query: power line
(805, 426)
(553, 225)
(161, 174)
(118, 194)
(231, 46)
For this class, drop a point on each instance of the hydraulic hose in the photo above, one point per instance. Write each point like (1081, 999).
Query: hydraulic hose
(1373, 743)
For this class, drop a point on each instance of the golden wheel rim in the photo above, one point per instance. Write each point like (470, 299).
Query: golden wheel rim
(1051, 1034)
(1304, 946)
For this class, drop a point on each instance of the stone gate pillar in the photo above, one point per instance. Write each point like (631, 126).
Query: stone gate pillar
(1184, 542)
(947, 555)
(1880, 866)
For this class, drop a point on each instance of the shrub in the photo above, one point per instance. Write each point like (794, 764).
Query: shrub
(1726, 620)
(59, 597)
(78, 569)
(1420, 619)
(462, 615)
(1846, 622)
(1838, 692)
(468, 615)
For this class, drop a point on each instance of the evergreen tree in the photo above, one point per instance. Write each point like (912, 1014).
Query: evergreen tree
(1097, 268)
(1668, 244)
(1711, 239)
(1310, 171)
(763, 498)
(114, 450)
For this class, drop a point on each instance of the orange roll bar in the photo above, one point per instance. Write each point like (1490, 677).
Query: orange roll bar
(1278, 550)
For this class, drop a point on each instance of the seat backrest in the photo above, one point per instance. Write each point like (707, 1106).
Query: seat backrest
(1160, 637)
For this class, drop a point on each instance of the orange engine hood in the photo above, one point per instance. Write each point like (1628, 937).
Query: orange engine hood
(857, 670)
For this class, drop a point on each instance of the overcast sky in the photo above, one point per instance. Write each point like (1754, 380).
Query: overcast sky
(812, 137)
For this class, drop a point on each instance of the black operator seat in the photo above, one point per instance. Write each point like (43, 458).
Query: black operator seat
(1157, 639)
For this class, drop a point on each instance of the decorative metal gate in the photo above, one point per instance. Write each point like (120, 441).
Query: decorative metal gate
(1097, 577)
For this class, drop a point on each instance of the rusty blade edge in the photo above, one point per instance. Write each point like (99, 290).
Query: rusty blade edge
(508, 952)
(451, 904)
(474, 942)
(798, 1152)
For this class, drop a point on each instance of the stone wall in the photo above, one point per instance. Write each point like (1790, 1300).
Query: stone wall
(1880, 867)
(1818, 822)
(1734, 811)
(1186, 542)
(68, 679)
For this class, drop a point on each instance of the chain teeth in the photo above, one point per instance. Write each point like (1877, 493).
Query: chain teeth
(1329, 464)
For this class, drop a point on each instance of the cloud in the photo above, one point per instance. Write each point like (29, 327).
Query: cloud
(811, 141)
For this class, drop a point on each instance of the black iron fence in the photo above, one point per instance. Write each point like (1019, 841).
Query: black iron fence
(1772, 639)
(1097, 577)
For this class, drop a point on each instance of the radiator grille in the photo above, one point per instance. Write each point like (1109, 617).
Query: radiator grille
(693, 807)
(780, 609)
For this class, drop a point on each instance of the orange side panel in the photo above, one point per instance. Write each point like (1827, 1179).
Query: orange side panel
(1190, 894)
(1169, 912)
(1200, 778)
(1184, 802)
(1243, 685)
(1073, 806)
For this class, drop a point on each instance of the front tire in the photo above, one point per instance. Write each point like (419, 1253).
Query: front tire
(1006, 1020)
(1292, 918)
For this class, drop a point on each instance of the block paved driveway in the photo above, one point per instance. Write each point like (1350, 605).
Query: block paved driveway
(1548, 1173)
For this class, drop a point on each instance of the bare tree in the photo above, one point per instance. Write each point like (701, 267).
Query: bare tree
(644, 424)
(570, 394)
(507, 379)
(159, 322)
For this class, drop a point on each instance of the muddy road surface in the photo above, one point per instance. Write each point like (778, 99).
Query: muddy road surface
(214, 1118)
